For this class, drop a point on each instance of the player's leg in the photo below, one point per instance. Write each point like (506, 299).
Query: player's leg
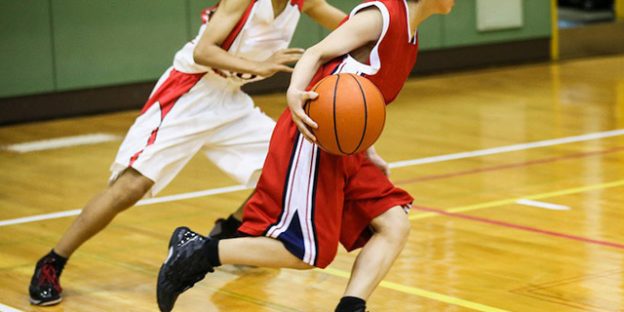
(192, 256)
(129, 188)
(157, 147)
(45, 287)
(258, 251)
(374, 219)
(295, 222)
(391, 230)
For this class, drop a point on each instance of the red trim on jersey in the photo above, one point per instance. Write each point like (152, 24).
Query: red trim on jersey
(298, 3)
(167, 95)
(227, 43)
(208, 12)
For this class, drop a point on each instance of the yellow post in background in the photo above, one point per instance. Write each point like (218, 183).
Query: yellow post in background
(554, 30)
(619, 9)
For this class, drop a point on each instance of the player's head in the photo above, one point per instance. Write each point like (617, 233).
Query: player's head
(437, 6)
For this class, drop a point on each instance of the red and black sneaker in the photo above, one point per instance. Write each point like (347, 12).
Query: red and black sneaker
(45, 288)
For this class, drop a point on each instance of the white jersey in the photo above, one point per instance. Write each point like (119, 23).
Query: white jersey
(255, 37)
(195, 108)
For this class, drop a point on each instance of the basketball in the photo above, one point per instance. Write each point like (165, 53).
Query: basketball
(350, 112)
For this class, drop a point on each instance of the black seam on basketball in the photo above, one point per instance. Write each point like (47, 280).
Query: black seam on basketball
(285, 190)
(307, 108)
(365, 113)
(336, 123)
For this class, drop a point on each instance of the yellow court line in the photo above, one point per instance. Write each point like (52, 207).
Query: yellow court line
(513, 200)
(420, 292)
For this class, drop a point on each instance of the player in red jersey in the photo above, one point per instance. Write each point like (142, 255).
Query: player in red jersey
(307, 201)
(197, 105)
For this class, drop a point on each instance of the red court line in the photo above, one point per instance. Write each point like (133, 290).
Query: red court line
(512, 165)
(520, 227)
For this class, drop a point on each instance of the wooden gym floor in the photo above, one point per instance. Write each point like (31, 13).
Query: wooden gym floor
(518, 175)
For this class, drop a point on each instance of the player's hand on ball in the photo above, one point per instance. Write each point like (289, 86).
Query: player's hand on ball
(372, 155)
(278, 62)
(296, 100)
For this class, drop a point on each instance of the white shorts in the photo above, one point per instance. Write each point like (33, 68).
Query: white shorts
(187, 113)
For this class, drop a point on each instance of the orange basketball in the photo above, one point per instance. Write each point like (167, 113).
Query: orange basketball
(350, 112)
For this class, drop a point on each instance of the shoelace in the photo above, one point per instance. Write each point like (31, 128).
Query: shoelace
(187, 237)
(48, 275)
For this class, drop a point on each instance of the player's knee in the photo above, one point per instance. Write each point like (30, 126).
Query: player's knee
(130, 187)
(394, 223)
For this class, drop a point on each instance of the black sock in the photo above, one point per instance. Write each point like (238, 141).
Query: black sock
(57, 260)
(351, 304)
(232, 222)
(211, 250)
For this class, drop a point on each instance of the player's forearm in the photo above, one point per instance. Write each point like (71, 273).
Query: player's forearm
(305, 69)
(215, 57)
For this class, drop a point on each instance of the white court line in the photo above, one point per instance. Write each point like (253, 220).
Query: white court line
(415, 162)
(143, 202)
(539, 204)
(509, 148)
(5, 308)
(47, 216)
(56, 143)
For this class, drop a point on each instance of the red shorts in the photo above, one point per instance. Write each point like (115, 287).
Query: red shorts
(311, 200)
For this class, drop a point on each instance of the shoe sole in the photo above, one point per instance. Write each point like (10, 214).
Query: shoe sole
(166, 266)
(44, 303)
(162, 284)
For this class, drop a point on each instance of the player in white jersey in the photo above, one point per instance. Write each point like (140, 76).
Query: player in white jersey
(197, 105)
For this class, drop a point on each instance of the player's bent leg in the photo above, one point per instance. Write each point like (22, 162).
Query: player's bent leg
(191, 256)
(377, 256)
(259, 251)
(122, 194)
(45, 288)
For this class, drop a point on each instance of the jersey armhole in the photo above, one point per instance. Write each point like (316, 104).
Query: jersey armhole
(375, 61)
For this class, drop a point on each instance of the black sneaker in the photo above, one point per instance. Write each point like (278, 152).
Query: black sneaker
(45, 288)
(225, 228)
(185, 265)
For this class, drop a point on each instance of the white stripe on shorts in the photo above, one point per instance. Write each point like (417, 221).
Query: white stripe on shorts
(299, 197)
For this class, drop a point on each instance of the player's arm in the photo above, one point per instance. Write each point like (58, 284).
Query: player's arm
(362, 29)
(323, 13)
(208, 51)
(376, 159)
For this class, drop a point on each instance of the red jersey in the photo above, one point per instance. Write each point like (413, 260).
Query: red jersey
(391, 59)
(309, 199)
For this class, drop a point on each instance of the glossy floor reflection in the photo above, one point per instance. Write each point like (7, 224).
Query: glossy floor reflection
(518, 207)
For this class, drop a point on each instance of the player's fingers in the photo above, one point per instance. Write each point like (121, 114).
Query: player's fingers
(284, 68)
(307, 134)
(289, 59)
(293, 57)
(304, 118)
(308, 121)
(292, 51)
(309, 95)
(303, 129)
